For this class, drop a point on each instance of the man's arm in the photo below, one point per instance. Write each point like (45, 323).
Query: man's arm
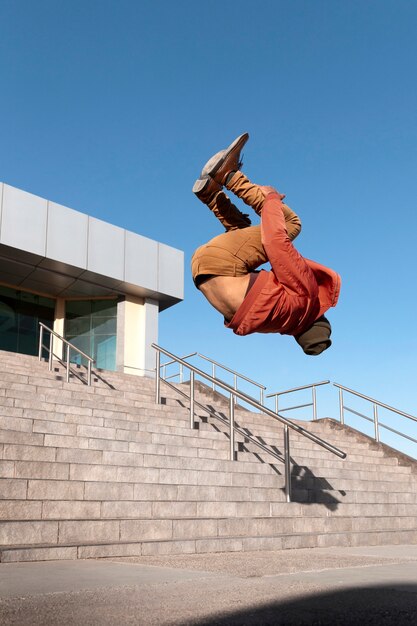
(289, 267)
(292, 221)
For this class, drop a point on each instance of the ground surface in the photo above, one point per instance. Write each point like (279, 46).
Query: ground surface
(375, 585)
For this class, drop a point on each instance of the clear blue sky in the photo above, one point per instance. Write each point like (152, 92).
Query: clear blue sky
(111, 107)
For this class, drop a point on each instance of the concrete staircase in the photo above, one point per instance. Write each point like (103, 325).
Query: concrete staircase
(102, 471)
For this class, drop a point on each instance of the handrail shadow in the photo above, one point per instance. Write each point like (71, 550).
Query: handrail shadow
(307, 487)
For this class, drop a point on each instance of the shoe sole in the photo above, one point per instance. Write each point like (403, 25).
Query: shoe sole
(199, 185)
(211, 168)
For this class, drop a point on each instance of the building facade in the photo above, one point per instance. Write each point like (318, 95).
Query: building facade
(97, 285)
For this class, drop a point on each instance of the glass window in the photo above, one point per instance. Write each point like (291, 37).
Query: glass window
(91, 325)
(20, 314)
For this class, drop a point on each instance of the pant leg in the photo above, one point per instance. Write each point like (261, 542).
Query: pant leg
(253, 196)
(227, 213)
(234, 253)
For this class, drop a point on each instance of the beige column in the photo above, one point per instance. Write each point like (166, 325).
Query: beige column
(137, 329)
(59, 328)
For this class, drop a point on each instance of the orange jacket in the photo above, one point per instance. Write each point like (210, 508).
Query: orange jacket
(296, 291)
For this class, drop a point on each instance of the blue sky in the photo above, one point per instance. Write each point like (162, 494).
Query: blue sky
(113, 107)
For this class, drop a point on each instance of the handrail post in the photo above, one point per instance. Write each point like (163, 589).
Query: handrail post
(262, 396)
(62, 358)
(252, 402)
(342, 414)
(314, 403)
(181, 373)
(376, 425)
(287, 463)
(232, 425)
(51, 338)
(192, 390)
(276, 403)
(68, 363)
(158, 378)
(213, 373)
(40, 342)
(235, 386)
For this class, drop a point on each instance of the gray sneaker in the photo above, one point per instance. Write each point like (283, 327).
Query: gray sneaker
(225, 161)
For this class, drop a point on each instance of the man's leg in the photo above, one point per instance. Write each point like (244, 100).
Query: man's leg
(253, 196)
(234, 253)
(223, 169)
(227, 213)
(209, 192)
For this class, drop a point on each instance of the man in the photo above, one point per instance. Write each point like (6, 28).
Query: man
(292, 298)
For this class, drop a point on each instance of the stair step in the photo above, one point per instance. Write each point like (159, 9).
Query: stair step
(19, 534)
(72, 426)
(198, 546)
(104, 471)
(115, 466)
(18, 510)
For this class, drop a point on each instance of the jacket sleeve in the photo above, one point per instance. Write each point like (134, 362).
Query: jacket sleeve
(299, 276)
(289, 267)
(274, 227)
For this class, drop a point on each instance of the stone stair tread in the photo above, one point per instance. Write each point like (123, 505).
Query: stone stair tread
(137, 457)
(51, 425)
(319, 539)
(113, 463)
(186, 509)
(103, 470)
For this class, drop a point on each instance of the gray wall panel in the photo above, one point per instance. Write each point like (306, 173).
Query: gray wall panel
(141, 261)
(86, 289)
(24, 219)
(10, 266)
(171, 271)
(67, 235)
(37, 233)
(48, 279)
(1, 202)
(106, 249)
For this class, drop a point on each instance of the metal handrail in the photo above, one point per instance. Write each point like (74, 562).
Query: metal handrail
(69, 347)
(376, 403)
(313, 403)
(222, 419)
(236, 375)
(180, 373)
(214, 364)
(242, 396)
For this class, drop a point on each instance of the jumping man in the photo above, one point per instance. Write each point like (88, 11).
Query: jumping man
(293, 296)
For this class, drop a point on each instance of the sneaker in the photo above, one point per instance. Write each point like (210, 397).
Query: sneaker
(225, 161)
(206, 188)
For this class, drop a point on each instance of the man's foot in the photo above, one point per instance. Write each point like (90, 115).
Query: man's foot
(206, 188)
(225, 161)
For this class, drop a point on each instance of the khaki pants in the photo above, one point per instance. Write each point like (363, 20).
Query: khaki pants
(238, 251)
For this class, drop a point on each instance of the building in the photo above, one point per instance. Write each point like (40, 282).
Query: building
(99, 286)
